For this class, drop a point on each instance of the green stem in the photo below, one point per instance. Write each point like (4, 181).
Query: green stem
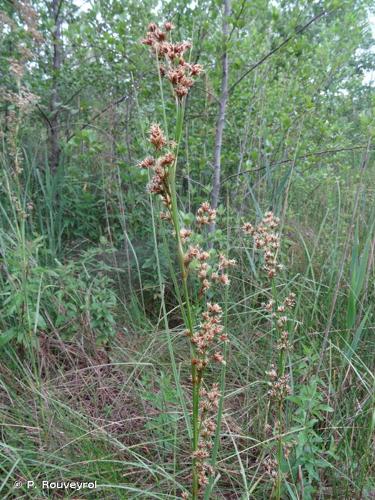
(281, 372)
(187, 313)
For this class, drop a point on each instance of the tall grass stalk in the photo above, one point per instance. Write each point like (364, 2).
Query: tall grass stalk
(180, 73)
(268, 241)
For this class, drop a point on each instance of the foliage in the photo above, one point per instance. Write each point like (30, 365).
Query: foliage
(310, 456)
(164, 400)
(69, 299)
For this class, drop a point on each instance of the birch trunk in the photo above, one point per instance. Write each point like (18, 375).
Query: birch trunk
(55, 98)
(215, 194)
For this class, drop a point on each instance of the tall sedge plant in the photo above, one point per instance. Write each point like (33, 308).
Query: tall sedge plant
(16, 206)
(267, 243)
(200, 271)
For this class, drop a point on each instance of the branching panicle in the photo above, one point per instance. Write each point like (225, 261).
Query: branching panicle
(172, 64)
(196, 263)
(267, 243)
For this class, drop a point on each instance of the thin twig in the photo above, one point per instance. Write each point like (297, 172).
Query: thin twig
(282, 44)
(289, 160)
(95, 117)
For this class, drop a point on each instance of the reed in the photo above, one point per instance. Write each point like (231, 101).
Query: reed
(201, 270)
(267, 242)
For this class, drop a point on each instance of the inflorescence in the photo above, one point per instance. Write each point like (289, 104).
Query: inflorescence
(208, 268)
(267, 242)
(170, 56)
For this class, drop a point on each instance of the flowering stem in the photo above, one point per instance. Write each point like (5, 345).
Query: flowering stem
(187, 313)
(180, 74)
(281, 373)
(185, 308)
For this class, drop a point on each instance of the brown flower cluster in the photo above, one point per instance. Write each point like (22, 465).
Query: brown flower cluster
(281, 320)
(205, 214)
(160, 165)
(270, 466)
(279, 386)
(283, 343)
(204, 341)
(176, 69)
(30, 18)
(206, 275)
(194, 253)
(267, 241)
(221, 276)
(23, 99)
(185, 234)
(210, 330)
(209, 404)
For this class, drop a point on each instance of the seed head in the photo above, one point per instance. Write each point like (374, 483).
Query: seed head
(219, 358)
(281, 321)
(248, 228)
(214, 308)
(157, 137)
(167, 159)
(147, 162)
(290, 301)
(224, 279)
(168, 26)
(224, 262)
(191, 254)
(165, 216)
(205, 285)
(269, 306)
(181, 91)
(203, 256)
(185, 234)
(196, 69)
(266, 240)
(205, 214)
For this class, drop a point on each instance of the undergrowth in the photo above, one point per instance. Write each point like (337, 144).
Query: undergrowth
(127, 360)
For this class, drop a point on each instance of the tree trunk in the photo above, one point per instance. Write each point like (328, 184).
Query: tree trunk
(55, 98)
(222, 108)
